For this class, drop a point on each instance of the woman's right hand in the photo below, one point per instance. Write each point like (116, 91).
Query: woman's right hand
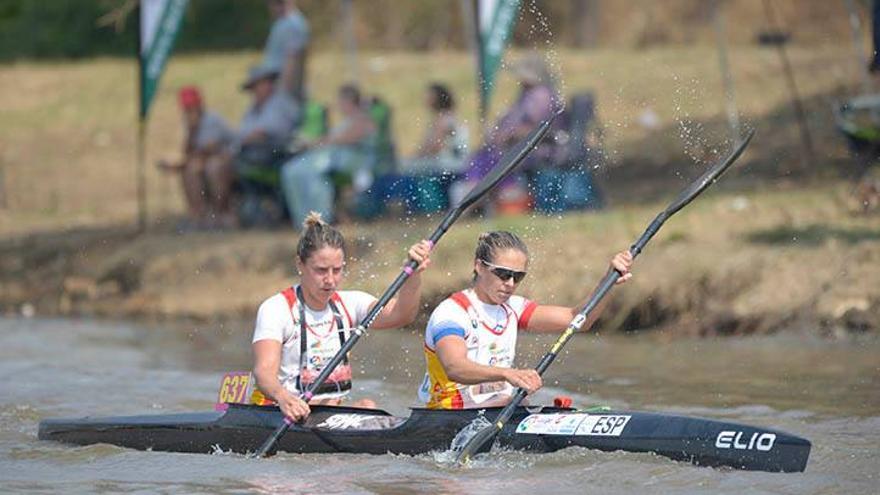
(421, 254)
(527, 379)
(293, 407)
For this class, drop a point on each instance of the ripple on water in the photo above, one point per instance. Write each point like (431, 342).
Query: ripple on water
(67, 362)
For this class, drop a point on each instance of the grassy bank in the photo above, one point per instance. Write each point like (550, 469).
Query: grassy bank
(729, 264)
(773, 246)
(67, 152)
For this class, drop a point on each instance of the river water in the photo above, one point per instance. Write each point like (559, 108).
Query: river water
(826, 391)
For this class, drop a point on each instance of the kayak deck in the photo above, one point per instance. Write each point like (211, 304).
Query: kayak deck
(332, 429)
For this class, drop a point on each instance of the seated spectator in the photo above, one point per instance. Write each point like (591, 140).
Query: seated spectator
(263, 137)
(536, 102)
(445, 143)
(267, 125)
(204, 169)
(346, 150)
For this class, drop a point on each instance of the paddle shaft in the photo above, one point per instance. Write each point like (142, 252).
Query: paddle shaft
(368, 320)
(578, 321)
(479, 191)
(361, 329)
(683, 199)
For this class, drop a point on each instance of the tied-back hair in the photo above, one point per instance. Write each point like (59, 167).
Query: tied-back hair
(489, 243)
(318, 234)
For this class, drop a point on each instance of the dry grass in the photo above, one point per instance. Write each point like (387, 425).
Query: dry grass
(761, 250)
(729, 263)
(68, 129)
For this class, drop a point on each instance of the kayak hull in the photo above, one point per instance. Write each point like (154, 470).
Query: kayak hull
(334, 429)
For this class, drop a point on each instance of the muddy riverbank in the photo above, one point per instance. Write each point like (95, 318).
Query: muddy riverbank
(730, 264)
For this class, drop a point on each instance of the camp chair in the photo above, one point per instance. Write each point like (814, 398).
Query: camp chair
(567, 183)
(384, 153)
(315, 123)
(858, 120)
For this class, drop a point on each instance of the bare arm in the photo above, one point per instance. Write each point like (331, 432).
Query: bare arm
(360, 128)
(554, 319)
(256, 136)
(452, 352)
(267, 361)
(551, 319)
(403, 309)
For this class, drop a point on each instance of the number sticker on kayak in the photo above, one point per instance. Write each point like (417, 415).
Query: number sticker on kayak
(233, 389)
(606, 425)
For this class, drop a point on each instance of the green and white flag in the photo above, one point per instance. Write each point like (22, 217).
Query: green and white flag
(495, 21)
(159, 21)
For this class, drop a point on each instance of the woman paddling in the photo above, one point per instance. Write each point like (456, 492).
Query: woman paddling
(470, 341)
(305, 325)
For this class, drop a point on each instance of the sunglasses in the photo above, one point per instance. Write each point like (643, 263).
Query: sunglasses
(504, 273)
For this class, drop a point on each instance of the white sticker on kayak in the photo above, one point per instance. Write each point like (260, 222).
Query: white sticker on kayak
(551, 424)
(350, 421)
(604, 426)
(573, 424)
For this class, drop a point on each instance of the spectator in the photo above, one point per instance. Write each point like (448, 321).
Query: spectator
(286, 44)
(445, 143)
(204, 170)
(537, 101)
(265, 131)
(268, 123)
(346, 150)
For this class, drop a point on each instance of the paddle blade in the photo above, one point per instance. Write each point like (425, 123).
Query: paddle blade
(709, 177)
(509, 161)
(474, 438)
(268, 447)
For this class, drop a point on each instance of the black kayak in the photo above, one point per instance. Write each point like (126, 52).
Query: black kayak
(332, 429)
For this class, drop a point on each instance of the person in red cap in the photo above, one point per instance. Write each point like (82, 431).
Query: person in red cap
(205, 169)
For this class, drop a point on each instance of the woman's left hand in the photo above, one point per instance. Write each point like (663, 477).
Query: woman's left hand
(622, 262)
(421, 253)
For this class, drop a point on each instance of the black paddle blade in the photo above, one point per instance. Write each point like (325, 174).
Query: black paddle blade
(709, 177)
(510, 159)
(481, 441)
(267, 449)
(508, 162)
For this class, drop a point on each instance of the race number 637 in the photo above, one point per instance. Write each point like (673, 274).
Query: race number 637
(233, 387)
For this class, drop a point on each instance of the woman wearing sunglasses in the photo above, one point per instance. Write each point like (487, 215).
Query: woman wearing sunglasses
(470, 341)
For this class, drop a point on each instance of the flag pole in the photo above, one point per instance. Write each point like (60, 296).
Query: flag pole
(140, 146)
(141, 175)
(481, 76)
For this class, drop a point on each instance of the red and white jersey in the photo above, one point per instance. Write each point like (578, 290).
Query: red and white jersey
(489, 331)
(279, 319)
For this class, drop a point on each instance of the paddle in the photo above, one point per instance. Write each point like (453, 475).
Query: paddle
(506, 164)
(483, 435)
